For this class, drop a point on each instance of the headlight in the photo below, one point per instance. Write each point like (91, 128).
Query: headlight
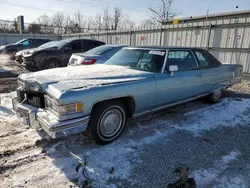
(64, 109)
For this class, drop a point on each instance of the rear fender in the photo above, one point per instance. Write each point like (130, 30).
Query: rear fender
(222, 85)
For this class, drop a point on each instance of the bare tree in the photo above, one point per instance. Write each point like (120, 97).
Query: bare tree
(68, 24)
(7, 26)
(90, 23)
(58, 20)
(117, 16)
(163, 11)
(126, 23)
(45, 22)
(98, 21)
(79, 22)
(34, 28)
(112, 20)
(106, 18)
(14, 25)
(146, 23)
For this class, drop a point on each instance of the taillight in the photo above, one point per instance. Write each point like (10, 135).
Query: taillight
(88, 61)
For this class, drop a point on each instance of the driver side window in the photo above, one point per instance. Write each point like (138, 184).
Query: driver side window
(25, 43)
(184, 59)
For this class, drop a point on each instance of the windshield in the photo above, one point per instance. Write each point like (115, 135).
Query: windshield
(59, 44)
(20, 41)
(139, 59)
(100, 50)
(46, 45)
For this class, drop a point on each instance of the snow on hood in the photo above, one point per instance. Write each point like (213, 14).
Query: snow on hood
(84, 76)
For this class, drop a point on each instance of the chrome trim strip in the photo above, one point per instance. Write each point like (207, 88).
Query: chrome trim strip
(63, 125)
(165, 62)
(196, 60)
(168, 105)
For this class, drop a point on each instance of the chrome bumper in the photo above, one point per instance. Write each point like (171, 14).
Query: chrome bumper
(39, 118)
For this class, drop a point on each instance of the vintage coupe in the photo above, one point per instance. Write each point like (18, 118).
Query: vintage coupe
(135, 81)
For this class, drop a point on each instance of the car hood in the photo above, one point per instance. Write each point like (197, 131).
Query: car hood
(8, 46)
(23, 51)
(38, 50)
(80, 77)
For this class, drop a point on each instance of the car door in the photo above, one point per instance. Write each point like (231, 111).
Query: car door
(68, 50)
(210, 71)
(182, 84)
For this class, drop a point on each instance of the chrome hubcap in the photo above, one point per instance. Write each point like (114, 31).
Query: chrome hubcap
(217, 93)
(111, 122)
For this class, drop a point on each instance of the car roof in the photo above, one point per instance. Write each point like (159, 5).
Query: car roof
(115, 45)
(74, 39)
(165, 47)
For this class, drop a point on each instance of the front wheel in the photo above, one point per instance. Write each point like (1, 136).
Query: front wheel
(52, 64)
(107, 122)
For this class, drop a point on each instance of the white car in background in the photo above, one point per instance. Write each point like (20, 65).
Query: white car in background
(98, 55)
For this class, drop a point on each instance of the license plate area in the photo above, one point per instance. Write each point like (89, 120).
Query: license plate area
(29, 120)
(14, 100)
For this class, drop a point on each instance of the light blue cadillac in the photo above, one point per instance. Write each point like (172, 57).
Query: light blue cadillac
(135, 81)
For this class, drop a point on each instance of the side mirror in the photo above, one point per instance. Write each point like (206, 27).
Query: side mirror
(172, 69)
(67, 49)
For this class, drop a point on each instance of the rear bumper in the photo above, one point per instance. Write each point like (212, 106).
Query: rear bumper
(236, 80)
(38, 118)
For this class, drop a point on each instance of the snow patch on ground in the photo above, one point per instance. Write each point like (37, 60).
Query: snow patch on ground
(7, 117)
(4, 59)
(123, 154)
(228, 113)
(214, 174)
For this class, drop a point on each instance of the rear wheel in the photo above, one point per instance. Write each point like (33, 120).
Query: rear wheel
(107, 122)
(51, 64)
(215, 96)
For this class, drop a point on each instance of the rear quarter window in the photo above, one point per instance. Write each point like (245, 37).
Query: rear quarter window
(213, 61)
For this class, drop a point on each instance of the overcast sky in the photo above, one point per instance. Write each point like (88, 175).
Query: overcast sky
(136, 9)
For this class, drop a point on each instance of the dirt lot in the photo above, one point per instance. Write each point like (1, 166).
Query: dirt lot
(213, 140)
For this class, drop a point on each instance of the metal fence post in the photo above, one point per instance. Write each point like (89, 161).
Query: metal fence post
(107, 38)
(161, 32)
(130, 39)
(209, 35)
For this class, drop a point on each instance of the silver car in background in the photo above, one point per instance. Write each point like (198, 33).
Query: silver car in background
(98, 55)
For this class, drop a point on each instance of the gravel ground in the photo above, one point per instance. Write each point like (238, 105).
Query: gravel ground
(213, 140)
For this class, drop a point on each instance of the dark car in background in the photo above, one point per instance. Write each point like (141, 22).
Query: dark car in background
(21, 45)
(19, 54)
(96, 55)
(57, 54)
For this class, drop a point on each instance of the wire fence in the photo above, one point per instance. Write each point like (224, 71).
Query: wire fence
(7, 26)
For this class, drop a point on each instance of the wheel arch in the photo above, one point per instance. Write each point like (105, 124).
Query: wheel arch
(45, 62)
(128, 101)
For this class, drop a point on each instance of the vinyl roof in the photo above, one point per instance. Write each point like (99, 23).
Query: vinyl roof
(163, 47)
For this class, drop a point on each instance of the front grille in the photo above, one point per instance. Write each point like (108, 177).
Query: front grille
(32, 98)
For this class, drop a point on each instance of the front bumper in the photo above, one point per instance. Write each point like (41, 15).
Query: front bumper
(18, 59)
(31, 64)
(38, 118)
